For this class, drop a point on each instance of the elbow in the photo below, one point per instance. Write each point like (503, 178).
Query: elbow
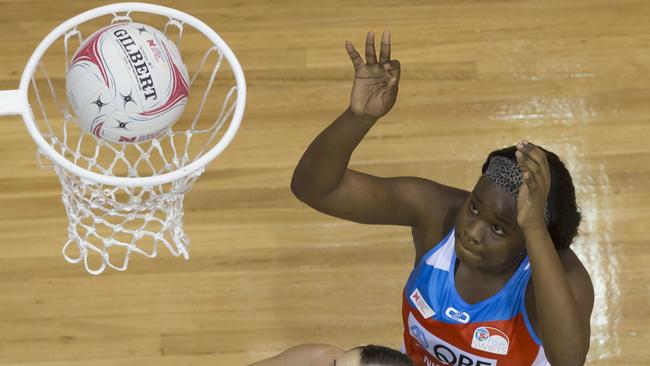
(574, 358)
(299, 187)
(311, 186)
(575, 361)
(296, 189)
(306, 190)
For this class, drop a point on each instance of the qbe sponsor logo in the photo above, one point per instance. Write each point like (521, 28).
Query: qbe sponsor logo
(431, 361)
(442, 352)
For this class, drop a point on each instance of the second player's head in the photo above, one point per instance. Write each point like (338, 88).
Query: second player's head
(372, 355)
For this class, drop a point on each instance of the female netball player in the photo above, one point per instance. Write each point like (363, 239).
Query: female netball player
(494, 281)
(328, 355)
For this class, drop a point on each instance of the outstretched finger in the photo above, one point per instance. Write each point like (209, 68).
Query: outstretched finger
(384, 53)
(371, 57)
(357, 61)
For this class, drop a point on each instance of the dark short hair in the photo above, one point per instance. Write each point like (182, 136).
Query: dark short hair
(382, 356)
(563, 210)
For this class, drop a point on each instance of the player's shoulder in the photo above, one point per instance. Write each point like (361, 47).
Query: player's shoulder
(432, 200)
(577, 274)
(436, 206)
(579, 282)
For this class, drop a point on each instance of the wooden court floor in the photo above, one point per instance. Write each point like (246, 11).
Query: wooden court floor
(266, 272)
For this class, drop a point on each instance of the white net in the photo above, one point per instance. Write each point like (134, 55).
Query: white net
(108, 223)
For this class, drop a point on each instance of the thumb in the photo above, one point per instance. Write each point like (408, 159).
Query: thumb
(389, 96)
(394, 69)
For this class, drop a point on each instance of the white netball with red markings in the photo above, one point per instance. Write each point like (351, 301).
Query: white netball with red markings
(127, 83)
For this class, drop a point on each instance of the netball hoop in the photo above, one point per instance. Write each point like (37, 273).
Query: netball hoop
(125, 198)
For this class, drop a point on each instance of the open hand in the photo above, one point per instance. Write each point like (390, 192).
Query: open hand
(374, 91)
(534, 190)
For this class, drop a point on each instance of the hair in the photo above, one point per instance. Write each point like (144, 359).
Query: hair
(563, 210)
(373, 355)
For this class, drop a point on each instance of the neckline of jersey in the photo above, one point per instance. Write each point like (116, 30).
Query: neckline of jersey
(496, 296)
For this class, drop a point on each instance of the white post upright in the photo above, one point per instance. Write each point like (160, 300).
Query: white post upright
(11, 103)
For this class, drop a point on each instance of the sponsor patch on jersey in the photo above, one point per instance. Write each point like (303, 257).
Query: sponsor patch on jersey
(443, 351)
(459, 316)
(491, 340)
(422, 305)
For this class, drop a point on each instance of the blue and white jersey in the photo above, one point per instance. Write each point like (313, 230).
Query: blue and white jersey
(440, 328)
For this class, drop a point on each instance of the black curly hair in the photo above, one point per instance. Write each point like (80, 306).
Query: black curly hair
(373, 355)
(564, 214)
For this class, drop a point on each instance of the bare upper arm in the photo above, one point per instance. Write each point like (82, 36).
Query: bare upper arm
(408, 201)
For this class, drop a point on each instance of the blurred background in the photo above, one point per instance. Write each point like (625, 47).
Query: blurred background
(267, 272)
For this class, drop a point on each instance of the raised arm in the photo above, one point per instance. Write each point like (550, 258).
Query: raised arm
(563, 295)
(322, 178)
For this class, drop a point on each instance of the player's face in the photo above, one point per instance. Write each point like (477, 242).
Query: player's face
(349, 358)
(487, 233)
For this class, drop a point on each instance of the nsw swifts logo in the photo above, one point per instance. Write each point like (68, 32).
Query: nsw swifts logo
(491, 340)
(422, 305)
